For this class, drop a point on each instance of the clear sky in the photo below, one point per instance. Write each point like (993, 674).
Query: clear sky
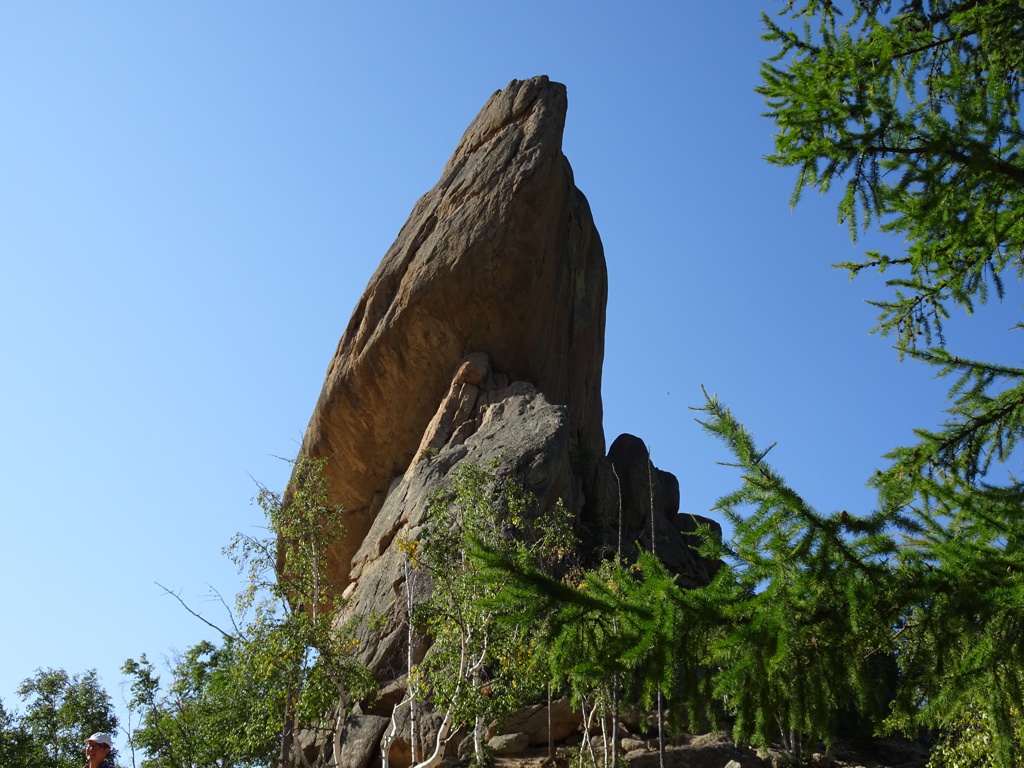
(193, 196)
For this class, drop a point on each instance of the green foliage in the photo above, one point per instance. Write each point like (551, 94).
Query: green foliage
(61, 711)
(916, 108)
(17, 747)
(633, 627)
(903, 618)
(967, 743)
(288, 569)
(814, 607)
(213, 713)
(962, 641)
(481, 663)
(284, 665)
(293, 599)
(627, 621)
(804, 608)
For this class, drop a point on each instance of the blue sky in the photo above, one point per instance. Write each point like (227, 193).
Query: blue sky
(194, 195)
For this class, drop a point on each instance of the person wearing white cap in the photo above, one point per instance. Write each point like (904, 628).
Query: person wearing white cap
(97, 747)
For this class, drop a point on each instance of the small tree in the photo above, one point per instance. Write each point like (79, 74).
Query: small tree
(306, 660)
(630, 622)
(481, 663)
(619, 632)
(285, 663)
(211, 715)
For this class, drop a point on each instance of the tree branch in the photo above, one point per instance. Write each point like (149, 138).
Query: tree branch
(227, 635)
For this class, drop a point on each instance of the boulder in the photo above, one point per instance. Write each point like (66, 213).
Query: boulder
(698, 754)
(533, 721)
(629, 744)
(359, 738)
(509, 744)
(501, 256)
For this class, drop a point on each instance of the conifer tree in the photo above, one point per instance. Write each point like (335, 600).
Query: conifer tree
(617, 619)
(804, 607)
(914, 108)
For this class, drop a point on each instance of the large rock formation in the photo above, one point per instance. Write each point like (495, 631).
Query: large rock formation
(479, 338)
(501, 256)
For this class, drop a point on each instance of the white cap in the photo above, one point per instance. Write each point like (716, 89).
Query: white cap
(101, 738)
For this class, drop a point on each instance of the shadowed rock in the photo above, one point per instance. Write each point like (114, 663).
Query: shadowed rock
(648, 515)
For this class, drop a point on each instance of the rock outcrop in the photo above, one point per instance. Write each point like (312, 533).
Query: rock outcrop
(639, 506)
(501, 256)
(480, 339)
(517, 428)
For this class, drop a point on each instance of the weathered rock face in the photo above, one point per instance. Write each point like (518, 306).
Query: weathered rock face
(512, 425)
(501, 256)
(479, 339)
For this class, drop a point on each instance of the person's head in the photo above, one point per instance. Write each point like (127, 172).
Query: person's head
(97, 747)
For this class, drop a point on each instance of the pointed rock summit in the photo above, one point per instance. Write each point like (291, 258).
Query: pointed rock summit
(498, 274)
